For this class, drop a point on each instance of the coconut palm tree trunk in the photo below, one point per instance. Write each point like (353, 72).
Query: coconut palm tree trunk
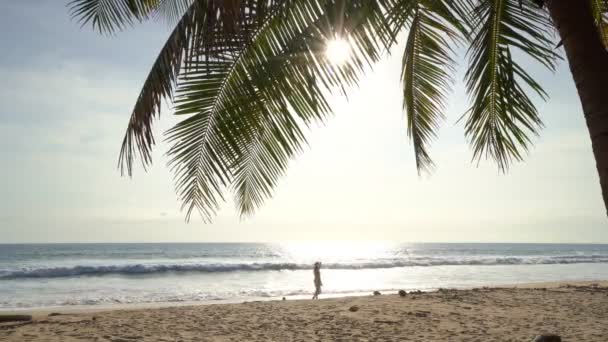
(588, 61)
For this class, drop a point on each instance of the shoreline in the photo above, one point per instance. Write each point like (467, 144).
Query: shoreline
(577, 311)
(94, 308)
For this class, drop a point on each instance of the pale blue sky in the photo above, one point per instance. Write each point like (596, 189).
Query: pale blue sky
(65, 100)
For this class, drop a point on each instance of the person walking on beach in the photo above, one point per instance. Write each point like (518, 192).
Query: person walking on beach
(317, 273)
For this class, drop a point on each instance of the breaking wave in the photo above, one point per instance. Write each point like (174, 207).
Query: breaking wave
(146, 269)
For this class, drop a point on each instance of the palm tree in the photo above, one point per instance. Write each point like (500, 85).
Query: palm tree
(250, 76)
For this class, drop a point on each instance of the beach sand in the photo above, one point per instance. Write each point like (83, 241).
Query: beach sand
(577, 312)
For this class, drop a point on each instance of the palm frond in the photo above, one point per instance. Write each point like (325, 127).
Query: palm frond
(252, 102)
(173, 10)
(204, 144)
(159, 85)
(600, 15)
(426, 69)
(109, 16)
(502, 115)
(202, 30)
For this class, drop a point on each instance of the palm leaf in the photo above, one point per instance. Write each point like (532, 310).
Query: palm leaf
(600, 16)
(109, 16)
(280, 137)
(173, 10)
(199, 30)
(159, 85)
(502, 115)
(204, 143)
(251, 102)
(426, 69)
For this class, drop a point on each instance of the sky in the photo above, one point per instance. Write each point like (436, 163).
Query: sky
(67, 94)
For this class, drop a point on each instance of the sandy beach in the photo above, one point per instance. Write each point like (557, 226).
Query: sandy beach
(576, 311)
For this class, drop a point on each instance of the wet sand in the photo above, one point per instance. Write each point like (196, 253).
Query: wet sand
(576, 311)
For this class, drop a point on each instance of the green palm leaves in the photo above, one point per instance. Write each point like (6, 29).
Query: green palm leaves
(159, 85)
(109, 16)
(426, 68)
(502, 115)
(600, 15)
(252, 101)
(251, 76)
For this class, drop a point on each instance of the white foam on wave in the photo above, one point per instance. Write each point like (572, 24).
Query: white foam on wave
(143, 269)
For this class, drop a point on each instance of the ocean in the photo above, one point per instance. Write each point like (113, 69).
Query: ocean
(51, 275)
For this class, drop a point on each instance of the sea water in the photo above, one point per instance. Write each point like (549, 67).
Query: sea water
(48, 275)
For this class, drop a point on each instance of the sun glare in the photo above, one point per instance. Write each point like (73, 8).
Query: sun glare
(337, 50)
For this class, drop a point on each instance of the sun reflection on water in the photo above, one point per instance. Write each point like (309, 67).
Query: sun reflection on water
(336, 251)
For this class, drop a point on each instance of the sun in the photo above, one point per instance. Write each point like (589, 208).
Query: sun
(337, 51)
